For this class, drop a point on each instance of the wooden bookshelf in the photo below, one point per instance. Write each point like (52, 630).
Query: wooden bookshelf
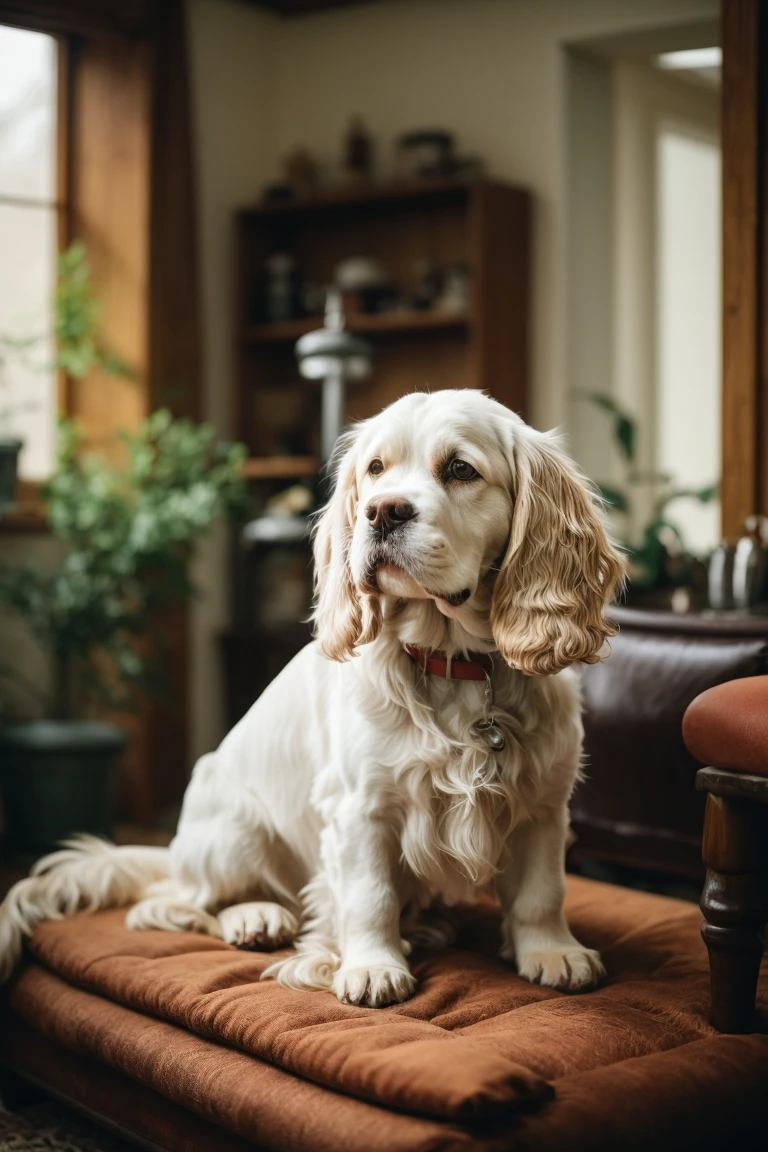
(365, 196)
(377, 324)
(482, 224)
(281, 467)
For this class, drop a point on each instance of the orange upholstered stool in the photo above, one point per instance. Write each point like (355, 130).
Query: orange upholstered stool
(726, 728)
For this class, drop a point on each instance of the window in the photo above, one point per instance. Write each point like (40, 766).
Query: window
(29, 215)
(688, 304)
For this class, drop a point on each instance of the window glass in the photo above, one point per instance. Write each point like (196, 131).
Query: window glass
(27, 114)
(688, 325)
(28, 240)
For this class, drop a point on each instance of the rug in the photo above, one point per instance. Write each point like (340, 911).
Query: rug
(50, 1127)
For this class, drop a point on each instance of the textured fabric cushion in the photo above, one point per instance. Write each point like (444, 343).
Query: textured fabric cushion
(636, 1060)
(727, 726)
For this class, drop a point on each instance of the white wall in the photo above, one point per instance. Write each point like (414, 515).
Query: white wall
(590, 288)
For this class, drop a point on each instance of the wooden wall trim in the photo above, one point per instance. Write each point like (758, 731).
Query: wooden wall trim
(174, 368)
(93, 18)
(132, 201)
(110, 205)
(744, 261)
(175, 340)
(761, 503)
(307, 7)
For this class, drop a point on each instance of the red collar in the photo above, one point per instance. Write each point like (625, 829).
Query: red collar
(457, 668)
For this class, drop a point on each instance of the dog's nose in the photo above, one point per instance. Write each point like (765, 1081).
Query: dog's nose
(386, 515)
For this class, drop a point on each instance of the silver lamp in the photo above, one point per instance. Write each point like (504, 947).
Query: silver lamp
(335, 356)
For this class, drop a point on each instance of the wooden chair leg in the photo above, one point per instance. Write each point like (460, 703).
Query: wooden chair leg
(735, 907)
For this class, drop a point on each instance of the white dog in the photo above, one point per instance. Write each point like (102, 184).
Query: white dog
(421, 747)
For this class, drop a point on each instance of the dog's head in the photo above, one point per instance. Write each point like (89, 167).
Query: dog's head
(446, 493)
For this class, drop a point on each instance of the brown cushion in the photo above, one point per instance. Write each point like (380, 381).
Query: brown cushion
(253, 1099)
(727, 726)
(399, 1058)
(636, 1059)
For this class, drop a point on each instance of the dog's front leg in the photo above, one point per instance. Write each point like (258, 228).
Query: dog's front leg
(361, 861)
(531, 889)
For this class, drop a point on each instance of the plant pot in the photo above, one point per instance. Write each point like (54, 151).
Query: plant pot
(57, 777)
(9, 456)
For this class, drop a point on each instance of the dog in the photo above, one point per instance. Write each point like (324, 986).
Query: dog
(425, 744)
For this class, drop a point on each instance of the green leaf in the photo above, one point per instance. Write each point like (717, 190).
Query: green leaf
(624, 425)
(624, 430)
(607, 403)
(703, 495)
(80, 344)
(614, 498)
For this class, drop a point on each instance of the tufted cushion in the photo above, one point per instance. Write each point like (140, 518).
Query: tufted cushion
(477, 1057)
(727, 726)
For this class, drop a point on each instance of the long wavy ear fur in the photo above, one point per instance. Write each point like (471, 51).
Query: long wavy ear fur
(560, 569)
(343, 617)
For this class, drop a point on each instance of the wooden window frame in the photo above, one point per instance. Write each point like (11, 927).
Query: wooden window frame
(745, 262)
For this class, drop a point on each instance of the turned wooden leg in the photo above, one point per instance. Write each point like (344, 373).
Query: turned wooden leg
(735, 906)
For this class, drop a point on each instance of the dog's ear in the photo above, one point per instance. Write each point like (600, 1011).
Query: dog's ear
(560, 569)
(343, 616)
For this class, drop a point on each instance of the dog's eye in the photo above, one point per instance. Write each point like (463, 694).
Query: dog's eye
(460, 470)
(375, 468)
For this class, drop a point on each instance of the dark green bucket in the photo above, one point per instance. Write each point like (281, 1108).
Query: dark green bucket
(57, 777)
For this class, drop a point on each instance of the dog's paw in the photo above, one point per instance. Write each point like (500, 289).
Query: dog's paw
(374, 985)
(568, 968)
(259, 925)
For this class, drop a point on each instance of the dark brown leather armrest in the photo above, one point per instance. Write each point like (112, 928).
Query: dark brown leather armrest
(727, 726)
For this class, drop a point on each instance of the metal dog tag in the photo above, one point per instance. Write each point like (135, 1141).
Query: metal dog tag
(491, 732)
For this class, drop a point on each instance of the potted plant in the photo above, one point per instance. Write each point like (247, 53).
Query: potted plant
(129, 533)
(660, 560)
(80, 347)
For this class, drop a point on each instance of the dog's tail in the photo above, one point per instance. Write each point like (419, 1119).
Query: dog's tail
(85, 875)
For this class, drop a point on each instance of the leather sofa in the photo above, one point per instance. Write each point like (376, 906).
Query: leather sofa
(638, 806)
